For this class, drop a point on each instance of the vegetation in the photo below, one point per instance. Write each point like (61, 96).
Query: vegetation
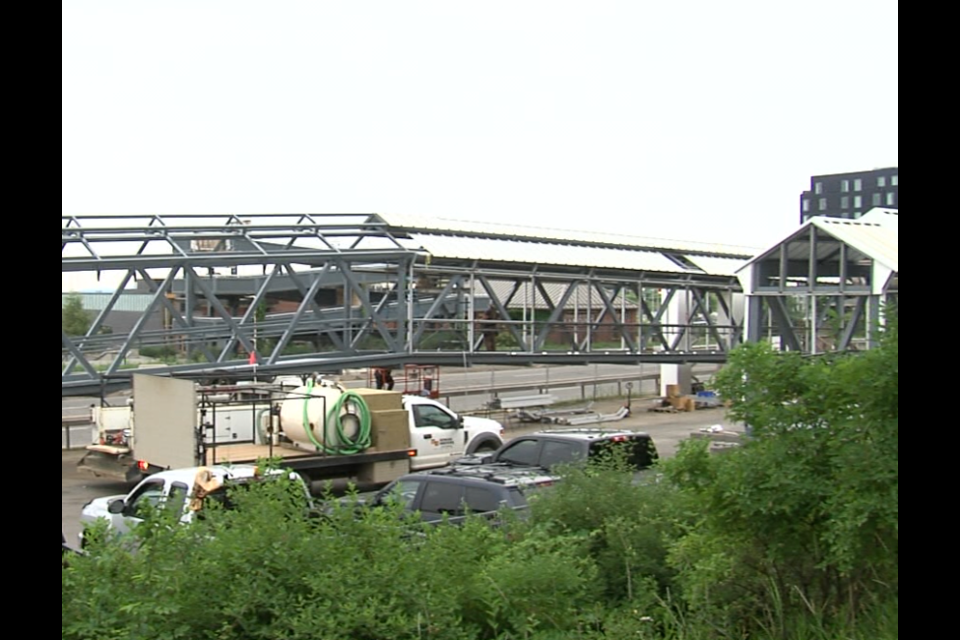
(793, 536)
(74, 319)
(167, 352)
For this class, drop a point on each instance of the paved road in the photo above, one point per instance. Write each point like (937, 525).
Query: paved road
(667, 431)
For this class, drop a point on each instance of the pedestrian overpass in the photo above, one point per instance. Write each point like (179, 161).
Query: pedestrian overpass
(265, 294)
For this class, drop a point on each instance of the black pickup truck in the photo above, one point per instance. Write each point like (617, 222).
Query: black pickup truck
(552, 448)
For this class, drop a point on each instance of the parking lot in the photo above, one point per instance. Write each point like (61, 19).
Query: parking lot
(667, 430)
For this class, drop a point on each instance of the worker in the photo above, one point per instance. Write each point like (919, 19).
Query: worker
(427, 391)
(490, 330)
(383, 378)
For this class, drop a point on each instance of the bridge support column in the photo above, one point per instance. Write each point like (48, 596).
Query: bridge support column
(678, 320)
(678, 374)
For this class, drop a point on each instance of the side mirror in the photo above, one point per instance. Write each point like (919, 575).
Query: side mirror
(116, 507)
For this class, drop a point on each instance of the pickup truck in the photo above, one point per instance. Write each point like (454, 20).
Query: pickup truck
(184, 492)
(171, 424)
(551, 448)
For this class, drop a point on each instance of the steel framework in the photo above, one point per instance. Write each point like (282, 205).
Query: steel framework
(271, 293)
(819, 292)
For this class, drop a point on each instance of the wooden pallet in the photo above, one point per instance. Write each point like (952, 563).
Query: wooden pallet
(667, 409)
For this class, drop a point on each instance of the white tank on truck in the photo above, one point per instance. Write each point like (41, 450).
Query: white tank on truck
(325, 416)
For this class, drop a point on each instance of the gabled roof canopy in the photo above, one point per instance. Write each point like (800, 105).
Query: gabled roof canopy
(875, 236)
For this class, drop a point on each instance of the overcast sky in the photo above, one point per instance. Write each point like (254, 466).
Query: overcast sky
(699, 120)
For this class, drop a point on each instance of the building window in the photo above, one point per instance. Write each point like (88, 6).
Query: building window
(823, 204)
(858, 184)
(857, 215)
(882, 181)
(845, 202)
(857, 202)
(891, 199)
(806, 205)
(877, 199)
(845, 186)
(895, 181)
(818, 188)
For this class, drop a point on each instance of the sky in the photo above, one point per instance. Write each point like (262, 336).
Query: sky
(697, 120)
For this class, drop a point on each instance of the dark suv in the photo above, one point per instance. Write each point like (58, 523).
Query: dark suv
(452, 494)
(552, 448)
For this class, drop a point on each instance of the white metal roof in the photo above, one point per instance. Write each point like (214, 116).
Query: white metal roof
(718, 266)
(495, 250)
(880, 241)
(876, 235)
(443, 226)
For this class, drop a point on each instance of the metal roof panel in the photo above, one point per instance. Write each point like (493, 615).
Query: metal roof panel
(445, 226)
(494, 250)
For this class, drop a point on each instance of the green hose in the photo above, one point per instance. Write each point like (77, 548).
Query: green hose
(348, 446)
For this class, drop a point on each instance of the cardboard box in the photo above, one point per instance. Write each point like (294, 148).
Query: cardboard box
(673, 391)
(686, 403)
(391, 430)
(380, 400)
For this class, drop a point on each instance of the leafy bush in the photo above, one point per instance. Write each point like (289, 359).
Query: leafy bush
(805, 517)
(794, 536)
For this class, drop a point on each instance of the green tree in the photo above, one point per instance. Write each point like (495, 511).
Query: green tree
(806, 513)
(74, 319)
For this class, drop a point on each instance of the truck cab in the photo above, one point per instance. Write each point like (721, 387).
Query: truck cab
(441, 436)
(180, 493)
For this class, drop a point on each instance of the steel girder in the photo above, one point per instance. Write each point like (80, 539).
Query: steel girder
(815, 293)
(381, 312)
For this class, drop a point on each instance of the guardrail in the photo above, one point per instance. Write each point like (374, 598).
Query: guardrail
(72, 419)
(495, 391)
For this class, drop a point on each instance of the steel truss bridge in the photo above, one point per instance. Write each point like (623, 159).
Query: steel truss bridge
(269, 294)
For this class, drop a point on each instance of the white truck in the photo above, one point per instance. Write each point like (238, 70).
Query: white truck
(183, 493)
(321, 430)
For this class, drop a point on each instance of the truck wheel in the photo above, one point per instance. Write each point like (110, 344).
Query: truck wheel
(489, 445)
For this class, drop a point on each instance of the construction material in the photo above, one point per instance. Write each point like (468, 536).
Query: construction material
(523, 402)
(550, 416)
(595, 418)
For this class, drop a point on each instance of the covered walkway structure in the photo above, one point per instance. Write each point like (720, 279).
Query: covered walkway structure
(279, 293)
(826, 286)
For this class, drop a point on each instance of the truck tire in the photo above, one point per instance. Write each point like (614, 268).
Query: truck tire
(487, 444)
